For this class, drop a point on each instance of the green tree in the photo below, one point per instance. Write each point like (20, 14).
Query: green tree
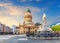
(56, 28)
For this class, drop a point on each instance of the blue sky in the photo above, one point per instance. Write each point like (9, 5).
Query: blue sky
(12, 11)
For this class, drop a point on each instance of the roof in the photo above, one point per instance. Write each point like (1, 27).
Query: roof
(37, 24)
(25, 26)
(28, 10)
(17, 27)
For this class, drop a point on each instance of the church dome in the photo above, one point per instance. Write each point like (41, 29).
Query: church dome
(28, 13)
(28, 10)
(28, 16)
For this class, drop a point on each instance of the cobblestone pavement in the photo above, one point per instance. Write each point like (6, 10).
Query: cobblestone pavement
(23, 39)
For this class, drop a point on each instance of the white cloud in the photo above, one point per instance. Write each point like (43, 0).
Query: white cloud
(34, 10)
(22, 0)
(10, 14)
(58, 24)
(29, 0)
(10, 9)
(8, 21)
(16, 10)
(53, 19)
(38, 0)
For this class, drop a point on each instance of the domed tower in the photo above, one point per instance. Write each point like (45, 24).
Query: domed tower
(44, 19)
(44, 27)
(28, 16)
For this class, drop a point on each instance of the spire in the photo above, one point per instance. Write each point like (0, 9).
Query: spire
(44, 22)
(44, 16)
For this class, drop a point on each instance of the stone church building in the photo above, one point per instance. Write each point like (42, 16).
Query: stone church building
(28, 25)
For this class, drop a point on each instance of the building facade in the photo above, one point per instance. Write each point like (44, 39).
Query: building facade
(28, 25)
(5, 29)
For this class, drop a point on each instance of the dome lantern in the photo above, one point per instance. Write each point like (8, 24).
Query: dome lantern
(28, 16)
(28, 10)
